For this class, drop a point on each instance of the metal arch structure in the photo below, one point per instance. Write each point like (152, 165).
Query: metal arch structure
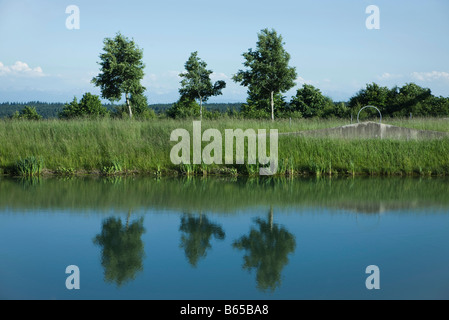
(380, 114)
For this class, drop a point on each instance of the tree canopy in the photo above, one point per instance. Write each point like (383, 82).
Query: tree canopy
(27, 113)
(267, 68)
(400, 102)
(196, 83)
(139, 106)
(311, 102)
(121, 70)
(89, 106)
(184, 108)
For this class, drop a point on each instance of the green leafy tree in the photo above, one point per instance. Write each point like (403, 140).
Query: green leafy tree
(414, 99)
(186, 107)
(139, 103)
(373, 95)
(70, 110)
(27, 113)
(139, 106)
(409, 99)
(438, 106)
(196, 237)
(340, 110)
(267, 249)
(89, 106)
(121, 70)
(311, 102)
(122, 249)
(267, 71)
(196, 83)
(251, 111)
(258, 105)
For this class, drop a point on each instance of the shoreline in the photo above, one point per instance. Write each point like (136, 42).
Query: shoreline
(224, 173)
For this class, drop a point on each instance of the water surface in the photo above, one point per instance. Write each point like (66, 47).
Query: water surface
(145, 238)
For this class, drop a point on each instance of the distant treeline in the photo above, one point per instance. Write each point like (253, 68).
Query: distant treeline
(309, 102)
(52, 110)
(220, 107)
(46, 110)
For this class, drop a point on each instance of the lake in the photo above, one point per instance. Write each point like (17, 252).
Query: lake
(224, 238)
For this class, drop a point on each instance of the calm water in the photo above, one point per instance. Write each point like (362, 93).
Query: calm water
(143, 238)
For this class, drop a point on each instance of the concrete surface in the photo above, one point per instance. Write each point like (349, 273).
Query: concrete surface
(373, 130)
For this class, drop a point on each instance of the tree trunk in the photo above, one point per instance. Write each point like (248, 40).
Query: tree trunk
(270, 218)
(201, 108)
(127, 219)
(272, 105)
(129, 106)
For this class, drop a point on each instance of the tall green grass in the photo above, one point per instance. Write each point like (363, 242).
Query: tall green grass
(368, 157)
(122, 146)
(28, 167)
(433, 124)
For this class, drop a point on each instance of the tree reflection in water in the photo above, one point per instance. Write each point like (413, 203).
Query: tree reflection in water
(266, 250)
(122, 249)
(197, 233)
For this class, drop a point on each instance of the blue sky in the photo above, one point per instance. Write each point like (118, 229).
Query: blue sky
(329, 44)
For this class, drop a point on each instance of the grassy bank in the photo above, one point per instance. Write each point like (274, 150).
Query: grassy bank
(120, 146)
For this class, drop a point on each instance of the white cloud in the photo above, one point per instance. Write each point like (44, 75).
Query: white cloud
(430, 76)
(151, 77)
(388, 76)
(163, 83)
(21, 69)
(219, 76)
(173, 74)
(301, 81)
